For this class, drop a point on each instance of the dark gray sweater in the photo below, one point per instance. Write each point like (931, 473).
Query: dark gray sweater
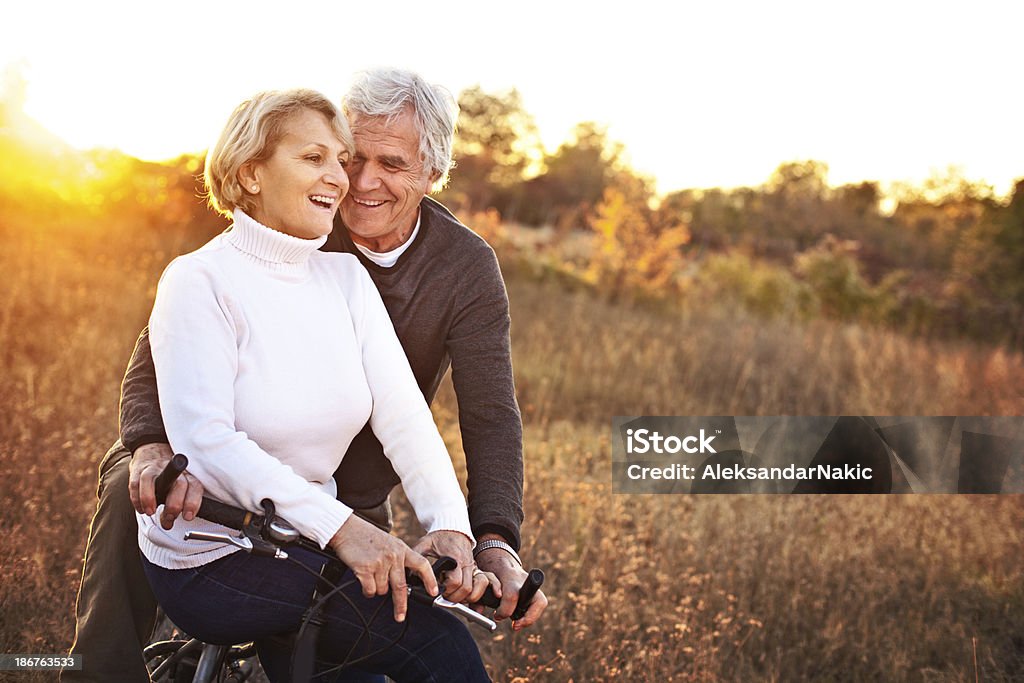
(448, 303)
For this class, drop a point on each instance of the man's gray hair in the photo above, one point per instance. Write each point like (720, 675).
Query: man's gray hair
(387, 93)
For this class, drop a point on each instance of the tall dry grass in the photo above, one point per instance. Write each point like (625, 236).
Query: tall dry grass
(642, 587)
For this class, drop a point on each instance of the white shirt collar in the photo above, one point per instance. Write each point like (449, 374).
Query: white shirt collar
(389, 258)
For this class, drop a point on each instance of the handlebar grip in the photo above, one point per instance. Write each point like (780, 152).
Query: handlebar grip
(225, 515)
(168, 476)
(534, 580)
(210, 510)
(489, 599)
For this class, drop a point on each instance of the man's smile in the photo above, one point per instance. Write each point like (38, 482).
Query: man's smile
(367, 202)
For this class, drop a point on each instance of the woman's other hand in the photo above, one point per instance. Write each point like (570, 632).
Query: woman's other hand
(379, 561)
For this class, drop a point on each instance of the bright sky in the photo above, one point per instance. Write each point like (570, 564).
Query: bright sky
(708, 94)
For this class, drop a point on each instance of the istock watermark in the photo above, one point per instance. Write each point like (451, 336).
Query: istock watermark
(645, 441)
(818, 454)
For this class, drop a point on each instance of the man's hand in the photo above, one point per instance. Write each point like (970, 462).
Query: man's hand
(512, 577)
(462, 584)
(186, 495)
(379, 561)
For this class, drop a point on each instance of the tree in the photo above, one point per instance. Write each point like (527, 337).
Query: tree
(860, 200)
(794, 202)
(496, 142)
(832, 271)
(989, 268)
(576, 177)
(800, 180)
(631, 254)
(943, 212)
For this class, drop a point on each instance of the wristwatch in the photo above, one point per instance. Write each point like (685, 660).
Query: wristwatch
(495, 543)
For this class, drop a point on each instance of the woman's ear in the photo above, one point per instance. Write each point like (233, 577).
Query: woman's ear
(248, 176)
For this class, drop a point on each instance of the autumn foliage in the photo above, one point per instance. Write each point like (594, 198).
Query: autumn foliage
(630, 254)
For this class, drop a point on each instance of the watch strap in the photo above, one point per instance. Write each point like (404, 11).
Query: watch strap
(495, 543)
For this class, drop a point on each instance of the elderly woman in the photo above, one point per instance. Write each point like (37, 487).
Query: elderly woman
(264, 393)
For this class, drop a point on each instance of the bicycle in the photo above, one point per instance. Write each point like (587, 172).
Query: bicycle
(182, 660)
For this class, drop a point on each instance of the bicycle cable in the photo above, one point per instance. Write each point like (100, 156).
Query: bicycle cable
(366, 623)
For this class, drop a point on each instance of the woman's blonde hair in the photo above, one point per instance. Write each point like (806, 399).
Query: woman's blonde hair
(252, 132)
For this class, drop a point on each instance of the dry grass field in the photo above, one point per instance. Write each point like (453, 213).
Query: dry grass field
(658, 588)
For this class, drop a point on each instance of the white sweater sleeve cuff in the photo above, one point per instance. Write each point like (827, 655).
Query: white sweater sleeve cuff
(334, 514)
(451, 520)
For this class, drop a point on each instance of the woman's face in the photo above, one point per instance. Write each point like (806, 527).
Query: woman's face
(303, 181)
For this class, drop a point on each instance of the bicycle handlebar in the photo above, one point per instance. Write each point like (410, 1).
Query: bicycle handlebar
(210, 510)
(238, 519)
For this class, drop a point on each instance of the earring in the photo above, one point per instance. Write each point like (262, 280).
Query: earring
(255, 188)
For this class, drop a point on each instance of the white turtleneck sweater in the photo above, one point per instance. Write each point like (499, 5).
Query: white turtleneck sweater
(270, 357)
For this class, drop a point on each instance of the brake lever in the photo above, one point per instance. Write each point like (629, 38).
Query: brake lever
(418, 592)
(465, 612)
(254, 546)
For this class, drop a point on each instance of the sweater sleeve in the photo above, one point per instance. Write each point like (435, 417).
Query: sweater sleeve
(140, 421)
(194, 336)
(489, 418)
(402, 421)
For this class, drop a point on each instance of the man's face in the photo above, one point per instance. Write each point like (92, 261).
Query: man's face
(388, 180)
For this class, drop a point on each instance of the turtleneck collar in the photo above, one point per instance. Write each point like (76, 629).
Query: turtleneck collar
(272, 249)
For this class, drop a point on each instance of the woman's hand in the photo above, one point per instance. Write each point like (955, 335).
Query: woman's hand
(379, 561)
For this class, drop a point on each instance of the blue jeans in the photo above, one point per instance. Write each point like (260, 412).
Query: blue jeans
(240, 598)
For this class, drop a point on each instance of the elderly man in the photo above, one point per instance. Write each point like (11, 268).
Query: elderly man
(446, 298)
